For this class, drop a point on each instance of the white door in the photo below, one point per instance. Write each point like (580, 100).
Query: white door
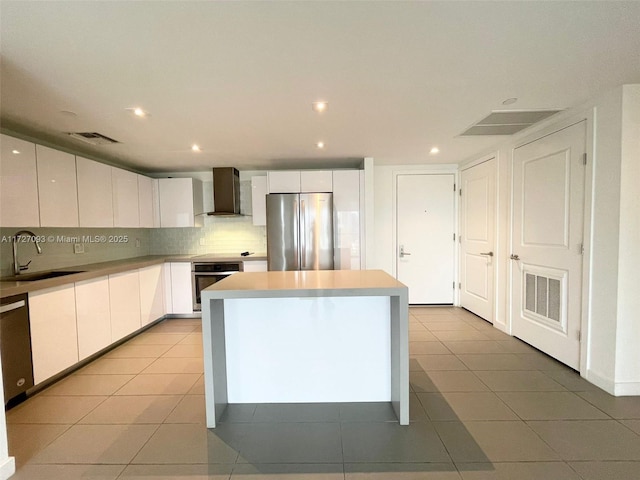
(425, 244)
(477, 242)
(548, 203)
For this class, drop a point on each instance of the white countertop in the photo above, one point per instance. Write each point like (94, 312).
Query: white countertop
(305, 284)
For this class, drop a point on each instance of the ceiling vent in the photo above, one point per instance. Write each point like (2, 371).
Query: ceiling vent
(93, 138)
(507, 122)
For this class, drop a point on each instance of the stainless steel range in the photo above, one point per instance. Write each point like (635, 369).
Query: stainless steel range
(206, 273)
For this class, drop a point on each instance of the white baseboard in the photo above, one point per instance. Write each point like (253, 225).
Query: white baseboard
(598, 380)
(7, 468)
(618, 389)
(626, 389)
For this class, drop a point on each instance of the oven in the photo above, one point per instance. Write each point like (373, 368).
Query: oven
(204, 274)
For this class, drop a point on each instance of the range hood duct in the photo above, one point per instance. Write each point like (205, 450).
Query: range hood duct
(226, 191)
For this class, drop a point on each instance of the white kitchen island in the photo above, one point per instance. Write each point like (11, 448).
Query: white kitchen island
(306, 337)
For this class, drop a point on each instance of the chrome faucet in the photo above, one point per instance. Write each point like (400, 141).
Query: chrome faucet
(17, 268)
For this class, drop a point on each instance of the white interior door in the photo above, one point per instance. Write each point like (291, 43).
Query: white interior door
(477, 239)
(425, 244)
(548, 203)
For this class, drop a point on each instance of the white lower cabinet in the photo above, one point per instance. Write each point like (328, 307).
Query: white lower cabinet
(54, 339)
(166, 287)
(181, 290)
(151, 294)
(93, 313)
(254, 266)
(124, 301)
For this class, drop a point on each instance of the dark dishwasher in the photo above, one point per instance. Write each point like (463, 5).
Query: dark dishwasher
(15, 347)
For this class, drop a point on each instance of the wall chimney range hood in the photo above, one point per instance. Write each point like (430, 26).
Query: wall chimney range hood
(226, 192)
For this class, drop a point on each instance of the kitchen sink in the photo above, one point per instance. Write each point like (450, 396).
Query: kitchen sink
(31, 277)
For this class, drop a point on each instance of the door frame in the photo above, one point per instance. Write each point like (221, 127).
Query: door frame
(421, 170)
(498, 258)
(585, 314)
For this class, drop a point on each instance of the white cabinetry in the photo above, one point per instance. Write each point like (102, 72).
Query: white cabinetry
(254, 266)
(124, 301)
(259, 200)
(284, 182)
(151, 294)
(166, 287)
(181, 202)
(93, 314)
(145, 201)
(346, 218)
(181, 289)
(297, 181)
(18, 184)
(54, 340)
(125, 198)
(57, 189)
(155, 192)
(316, 181)
(95, 195)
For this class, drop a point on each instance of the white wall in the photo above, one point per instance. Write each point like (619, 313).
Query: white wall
(627, 373)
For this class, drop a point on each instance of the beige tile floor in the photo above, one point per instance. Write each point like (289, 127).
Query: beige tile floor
(484, 406)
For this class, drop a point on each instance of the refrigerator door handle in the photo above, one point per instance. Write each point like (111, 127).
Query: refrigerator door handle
(303, 233)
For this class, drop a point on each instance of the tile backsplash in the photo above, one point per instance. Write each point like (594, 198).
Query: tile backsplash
(100, 245)
(223, 235)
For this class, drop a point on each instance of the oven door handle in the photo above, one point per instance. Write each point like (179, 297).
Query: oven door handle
(214, 274)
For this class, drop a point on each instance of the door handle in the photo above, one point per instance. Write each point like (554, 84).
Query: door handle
(402, 252)
(303, 232)
(514, 257)
(488, 254)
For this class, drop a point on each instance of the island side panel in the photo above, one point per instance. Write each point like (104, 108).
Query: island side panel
(215, 359)
(309, 349)
(399, 313)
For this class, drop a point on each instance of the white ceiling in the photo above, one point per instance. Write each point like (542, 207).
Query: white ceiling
(238, 78)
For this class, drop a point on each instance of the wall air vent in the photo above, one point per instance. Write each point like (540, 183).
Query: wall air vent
(93, 138)
(507, 122)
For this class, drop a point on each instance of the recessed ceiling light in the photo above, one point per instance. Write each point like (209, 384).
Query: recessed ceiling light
(195, 148)
(510, 101)
(138, 112)
(15, 152)
(320, 144)
(434, 150)
(320, 106)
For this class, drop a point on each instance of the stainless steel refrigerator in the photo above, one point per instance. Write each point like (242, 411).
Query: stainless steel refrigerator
(300, 231)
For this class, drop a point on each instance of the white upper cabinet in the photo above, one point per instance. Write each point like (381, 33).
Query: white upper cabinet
(18, 184)
(347, 218)
(95, 196)
(316, 181)
(300, 181)
(57, 188)
(125, 198)
(145, 201)
(259, 200)
(181, 202)
(284, 182)
(155, 191)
